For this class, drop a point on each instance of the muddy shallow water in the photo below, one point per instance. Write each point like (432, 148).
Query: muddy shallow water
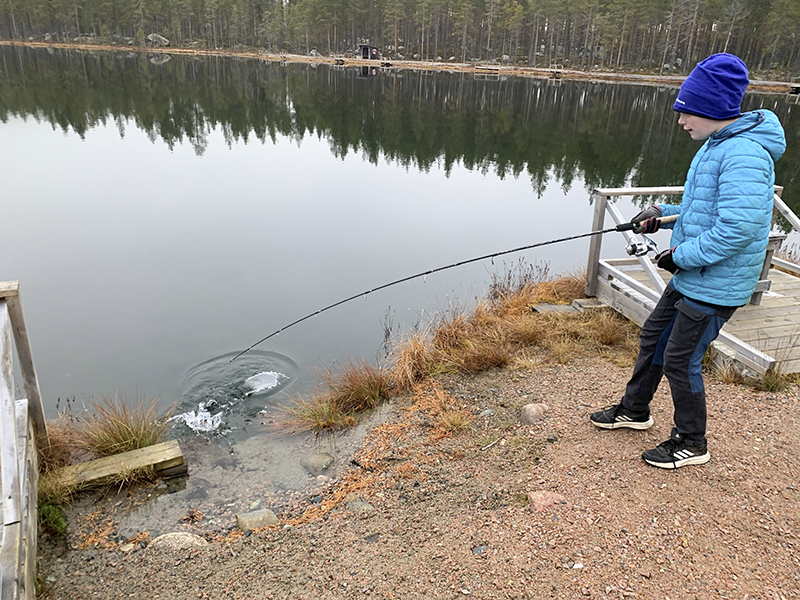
(263, 470)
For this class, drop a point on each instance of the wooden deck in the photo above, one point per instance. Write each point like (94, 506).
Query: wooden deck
(773, 327)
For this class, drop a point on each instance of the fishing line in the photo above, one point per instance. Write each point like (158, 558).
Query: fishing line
(620, 227)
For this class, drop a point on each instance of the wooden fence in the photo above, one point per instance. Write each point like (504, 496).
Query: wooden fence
(616, 287)
(22, 430)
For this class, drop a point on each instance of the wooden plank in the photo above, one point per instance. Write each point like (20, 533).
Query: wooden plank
(595, 244)
(609, 272)
(787, 212)
(9, 289)
(642, 191)
(158, 456)
(623, 304)
(750, 356)
(785, 264)
(29, 478)
(9, 461)
(29, 380)
(9, 558)
(771, 339)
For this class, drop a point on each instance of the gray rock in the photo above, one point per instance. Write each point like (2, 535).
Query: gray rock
(178, 540)
(360, 507)
(256, 519)
(532, 413)
(318, 463)
(487, 413)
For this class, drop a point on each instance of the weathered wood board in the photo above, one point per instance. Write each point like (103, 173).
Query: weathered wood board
(159, 456)
(772, 327)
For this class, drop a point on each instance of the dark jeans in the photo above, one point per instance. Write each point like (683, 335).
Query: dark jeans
(673, 341)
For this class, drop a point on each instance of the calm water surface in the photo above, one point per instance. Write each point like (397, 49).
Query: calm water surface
(161, 217)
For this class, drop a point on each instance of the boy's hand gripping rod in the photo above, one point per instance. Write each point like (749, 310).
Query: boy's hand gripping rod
(620, 227)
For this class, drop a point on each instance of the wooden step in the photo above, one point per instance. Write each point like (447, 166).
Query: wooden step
(159, 456)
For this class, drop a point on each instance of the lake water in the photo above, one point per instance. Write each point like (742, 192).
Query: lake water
(162, 217)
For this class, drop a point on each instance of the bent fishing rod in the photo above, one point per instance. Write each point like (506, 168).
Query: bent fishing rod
(633, 248)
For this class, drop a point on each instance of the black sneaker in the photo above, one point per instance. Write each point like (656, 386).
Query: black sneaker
(617, 416)
(675, 452)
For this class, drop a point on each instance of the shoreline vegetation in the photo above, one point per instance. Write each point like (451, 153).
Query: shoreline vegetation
(109, 427)
(476, 67)
(518, 325)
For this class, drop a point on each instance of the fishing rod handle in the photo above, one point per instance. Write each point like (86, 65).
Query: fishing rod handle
(661, 220)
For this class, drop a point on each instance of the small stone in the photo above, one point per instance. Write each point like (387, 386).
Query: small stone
(256, 519)
(318, 463)
(360, 507)
(531, 413)
(178, 540)
(255, 505)
(489, 412)
(127, 548)
(543, 499)
(478, 550)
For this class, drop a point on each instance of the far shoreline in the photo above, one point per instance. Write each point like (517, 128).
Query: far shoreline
(775, 87)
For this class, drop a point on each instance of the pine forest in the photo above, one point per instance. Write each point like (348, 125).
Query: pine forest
(653, 36)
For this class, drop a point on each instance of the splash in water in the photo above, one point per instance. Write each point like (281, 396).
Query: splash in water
(218, 396)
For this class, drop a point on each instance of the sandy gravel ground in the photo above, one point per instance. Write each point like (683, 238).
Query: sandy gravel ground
(556, 509)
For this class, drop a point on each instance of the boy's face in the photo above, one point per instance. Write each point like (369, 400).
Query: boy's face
(699, 128)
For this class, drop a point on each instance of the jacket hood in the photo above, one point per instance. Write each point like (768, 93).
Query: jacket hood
(761, 126)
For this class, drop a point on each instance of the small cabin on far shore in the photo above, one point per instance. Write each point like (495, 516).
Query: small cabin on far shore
(367, 52)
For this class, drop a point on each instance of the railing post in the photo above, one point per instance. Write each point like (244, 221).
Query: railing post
(8, 425)
(10, 291)
(593, 264)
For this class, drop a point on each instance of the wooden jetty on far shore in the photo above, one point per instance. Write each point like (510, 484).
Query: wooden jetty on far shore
(762, 336)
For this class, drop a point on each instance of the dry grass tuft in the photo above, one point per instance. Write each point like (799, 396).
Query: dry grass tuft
(727, 373)
(562, 290)
(454, 420)
(64, 446)
(116, 426)
(317, 414)
(564, 348)
(527, 359)
(356, 387)
(775, 380)
(413, 362)
(607, 328)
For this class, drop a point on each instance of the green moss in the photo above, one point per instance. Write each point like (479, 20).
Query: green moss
(51, 519)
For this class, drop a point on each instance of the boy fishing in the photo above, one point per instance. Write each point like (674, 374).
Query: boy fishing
(716, 253)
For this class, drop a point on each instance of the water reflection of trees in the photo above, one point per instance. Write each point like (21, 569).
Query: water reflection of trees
(607, 135)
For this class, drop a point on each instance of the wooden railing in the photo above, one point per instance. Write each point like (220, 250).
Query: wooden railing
(642, 298)
(22, 430)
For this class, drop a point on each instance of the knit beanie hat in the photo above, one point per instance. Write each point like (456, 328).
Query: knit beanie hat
(714, 88)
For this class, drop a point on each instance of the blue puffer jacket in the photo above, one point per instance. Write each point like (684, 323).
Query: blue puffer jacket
(720, 238)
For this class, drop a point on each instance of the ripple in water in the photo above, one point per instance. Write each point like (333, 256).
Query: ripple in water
(218, 396)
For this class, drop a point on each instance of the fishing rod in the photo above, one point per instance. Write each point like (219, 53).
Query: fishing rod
(639, 249)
